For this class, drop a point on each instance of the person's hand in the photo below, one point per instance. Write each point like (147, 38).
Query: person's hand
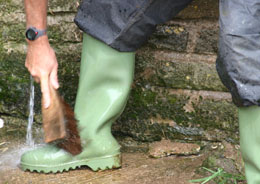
(43, 66)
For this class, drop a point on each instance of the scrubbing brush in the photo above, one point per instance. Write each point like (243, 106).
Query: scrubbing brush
(60, 125)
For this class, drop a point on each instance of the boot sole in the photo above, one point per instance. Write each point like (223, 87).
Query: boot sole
(95, 164)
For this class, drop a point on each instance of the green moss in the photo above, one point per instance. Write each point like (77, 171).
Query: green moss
(221, 115)
(63, 5)
(55, 34)
(58, 33)
(14, 81)
(8, 33)
(210, 162)
(150, 114)
(207, 41)
(15, 128)
(8, 6)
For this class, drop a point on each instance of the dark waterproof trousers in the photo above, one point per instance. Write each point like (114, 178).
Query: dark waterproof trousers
(127, 24)
(238, 62)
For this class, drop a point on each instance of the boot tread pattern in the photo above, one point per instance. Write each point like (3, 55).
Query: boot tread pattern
(95, 165)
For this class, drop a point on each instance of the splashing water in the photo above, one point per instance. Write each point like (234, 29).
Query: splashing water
(11, 158)
(29, 138)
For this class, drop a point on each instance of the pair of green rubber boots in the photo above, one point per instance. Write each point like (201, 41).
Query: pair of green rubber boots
(105, 80)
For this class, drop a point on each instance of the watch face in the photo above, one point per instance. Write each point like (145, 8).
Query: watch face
(30, 34)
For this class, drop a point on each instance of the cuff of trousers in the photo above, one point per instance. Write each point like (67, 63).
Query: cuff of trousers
(125, 25)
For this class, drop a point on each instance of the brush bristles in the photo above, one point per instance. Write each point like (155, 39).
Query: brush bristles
(60, 125)
(71, 142)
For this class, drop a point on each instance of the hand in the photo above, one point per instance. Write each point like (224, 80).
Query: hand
(43, 66)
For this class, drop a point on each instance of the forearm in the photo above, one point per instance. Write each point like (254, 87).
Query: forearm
(36, 13)
(40, 60)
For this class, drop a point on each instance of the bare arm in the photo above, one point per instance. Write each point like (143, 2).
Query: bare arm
(36, 13)
(41, 60)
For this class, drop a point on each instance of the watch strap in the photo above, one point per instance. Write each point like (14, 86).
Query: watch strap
(40, 33)
(33, 33)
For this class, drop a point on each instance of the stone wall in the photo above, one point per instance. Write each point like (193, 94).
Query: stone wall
(176, 92)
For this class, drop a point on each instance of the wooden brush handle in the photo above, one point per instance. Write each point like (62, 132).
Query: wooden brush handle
(53, 118)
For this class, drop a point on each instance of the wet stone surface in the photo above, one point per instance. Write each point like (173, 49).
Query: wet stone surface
(137, 166)
(167, 148)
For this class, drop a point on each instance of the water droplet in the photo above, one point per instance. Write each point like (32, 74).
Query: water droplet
(1, 123)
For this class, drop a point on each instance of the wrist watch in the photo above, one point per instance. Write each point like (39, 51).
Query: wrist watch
(32, 33)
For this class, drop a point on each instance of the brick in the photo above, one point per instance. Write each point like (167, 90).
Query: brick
(207, 42)
(157, 68)
(11, 6)
(171, 37)
(201, 9)
(56, 6)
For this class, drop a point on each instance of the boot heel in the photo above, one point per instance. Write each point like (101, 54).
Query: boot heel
(111, 162)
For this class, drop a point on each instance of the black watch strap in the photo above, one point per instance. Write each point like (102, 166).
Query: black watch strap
(33, 33)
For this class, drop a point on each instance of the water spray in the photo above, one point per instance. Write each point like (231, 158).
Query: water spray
(29, 138)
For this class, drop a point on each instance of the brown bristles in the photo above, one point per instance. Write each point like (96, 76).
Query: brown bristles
(60, 125)
(71, 142)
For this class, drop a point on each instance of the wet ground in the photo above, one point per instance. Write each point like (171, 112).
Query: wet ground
(137, 168)
(172, 162)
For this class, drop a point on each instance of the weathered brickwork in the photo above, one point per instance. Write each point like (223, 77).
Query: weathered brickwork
(176, 92)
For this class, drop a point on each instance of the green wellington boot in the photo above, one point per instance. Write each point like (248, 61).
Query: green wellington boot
(105, 80)
(249, 127)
